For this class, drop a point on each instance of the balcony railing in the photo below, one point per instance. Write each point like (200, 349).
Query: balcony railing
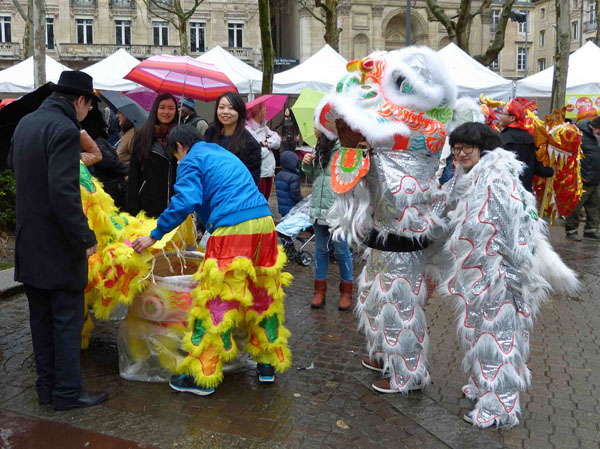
(100, 51)
(10, 50)
(122, 4)
(242, 53)
(589, 26)
(84, 3)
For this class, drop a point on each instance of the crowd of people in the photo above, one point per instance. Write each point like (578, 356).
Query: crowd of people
(177, 164)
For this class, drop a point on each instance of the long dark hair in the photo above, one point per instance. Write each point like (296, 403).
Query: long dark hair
(323, 150)
(145, 137)
(238, 139)
(186, 135)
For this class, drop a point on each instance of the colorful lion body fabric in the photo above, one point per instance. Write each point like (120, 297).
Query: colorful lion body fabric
(398, 103)
(116, 273)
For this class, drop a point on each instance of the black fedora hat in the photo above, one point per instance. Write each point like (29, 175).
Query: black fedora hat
(75, 82)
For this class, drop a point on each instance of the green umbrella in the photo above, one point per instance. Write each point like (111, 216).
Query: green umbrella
(304, 112)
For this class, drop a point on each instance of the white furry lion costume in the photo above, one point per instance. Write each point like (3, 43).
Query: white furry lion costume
(399, 103)
(502, 266)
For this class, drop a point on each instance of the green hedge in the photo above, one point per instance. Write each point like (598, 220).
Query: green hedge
(8, 200)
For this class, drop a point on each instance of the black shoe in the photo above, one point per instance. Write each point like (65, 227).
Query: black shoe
(44, 401)
(593, 235)
(574, 236)
(86, 399)
(186, 384)
(266, 373)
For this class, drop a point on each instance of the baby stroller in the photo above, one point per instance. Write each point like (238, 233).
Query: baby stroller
(297, 220)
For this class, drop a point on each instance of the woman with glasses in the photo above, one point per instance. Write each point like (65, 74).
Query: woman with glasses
(501, 267)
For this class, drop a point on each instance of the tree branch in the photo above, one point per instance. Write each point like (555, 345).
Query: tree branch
(20, 9)
(441, 16)
(303, 4)
(498, 43)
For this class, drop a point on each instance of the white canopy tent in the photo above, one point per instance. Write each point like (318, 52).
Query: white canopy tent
(19, 78)
(319, 72)
(108, 74)
(473, 78)
(246, 78)
(583, 76)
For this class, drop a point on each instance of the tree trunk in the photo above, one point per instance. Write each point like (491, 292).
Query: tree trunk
(561, 54)
(267, 46)
(183, 37)
(332, 32)
(28, 19)
(39, 39)
(598, 22)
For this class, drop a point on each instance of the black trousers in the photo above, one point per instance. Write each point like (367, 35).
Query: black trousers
(56, 319)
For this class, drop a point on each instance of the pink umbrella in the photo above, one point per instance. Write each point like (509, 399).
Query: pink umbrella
(181, 75)
(273, 103)
(143, 96)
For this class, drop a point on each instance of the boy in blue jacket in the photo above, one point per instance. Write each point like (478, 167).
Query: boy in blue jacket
(240, 281)
(287, 183)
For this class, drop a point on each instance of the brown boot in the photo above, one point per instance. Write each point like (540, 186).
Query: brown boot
(345, 295)
(318, 300)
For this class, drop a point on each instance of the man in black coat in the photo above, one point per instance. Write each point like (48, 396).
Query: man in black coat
(519, 141)
(590, 175)
(53, 240)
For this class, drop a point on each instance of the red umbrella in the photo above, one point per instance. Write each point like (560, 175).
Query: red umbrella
(273, 103)
(181, 75)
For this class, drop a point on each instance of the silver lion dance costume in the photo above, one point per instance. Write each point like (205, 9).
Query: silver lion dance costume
(502, 266)
(398, 102)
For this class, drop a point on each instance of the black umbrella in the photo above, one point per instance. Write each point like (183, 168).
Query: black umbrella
(12, 113)
(125, 105)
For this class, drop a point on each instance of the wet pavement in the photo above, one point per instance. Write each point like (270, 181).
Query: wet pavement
(330, 405)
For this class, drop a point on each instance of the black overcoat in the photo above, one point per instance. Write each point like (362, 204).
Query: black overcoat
(52, 230)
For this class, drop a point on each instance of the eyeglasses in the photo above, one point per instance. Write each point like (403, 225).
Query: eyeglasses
(466, 149)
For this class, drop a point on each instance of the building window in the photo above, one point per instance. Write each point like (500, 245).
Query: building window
(495, 19)
(197, 31)
(524, 26)
(161, 33)
(592, 12)
(541, 64)
(49, 33)
(542, 13)
(495, 65)
(521, 58)
(123, 32)
(85, 31)
(575, 4)
(542, 38)
(575, 30)
(5, 29)
(236, 35)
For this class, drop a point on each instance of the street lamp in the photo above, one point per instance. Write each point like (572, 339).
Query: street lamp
(521, 17)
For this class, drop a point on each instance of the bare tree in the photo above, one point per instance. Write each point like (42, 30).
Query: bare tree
(458, 26)
(27, 16)
(328, 16)
(174, 12)
(561, 54)
(267, 46)
(39, 40)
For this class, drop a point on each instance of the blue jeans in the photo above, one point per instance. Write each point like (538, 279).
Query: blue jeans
(342, 254)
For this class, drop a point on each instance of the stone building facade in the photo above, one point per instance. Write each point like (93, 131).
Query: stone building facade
(81, 32)
(370, 25)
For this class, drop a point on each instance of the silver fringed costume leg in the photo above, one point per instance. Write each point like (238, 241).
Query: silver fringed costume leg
(390, 311)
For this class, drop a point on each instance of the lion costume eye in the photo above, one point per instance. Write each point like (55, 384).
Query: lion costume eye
(403, 85)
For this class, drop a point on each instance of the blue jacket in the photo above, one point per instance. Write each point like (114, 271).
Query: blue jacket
(287, 183)
(216, 185)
